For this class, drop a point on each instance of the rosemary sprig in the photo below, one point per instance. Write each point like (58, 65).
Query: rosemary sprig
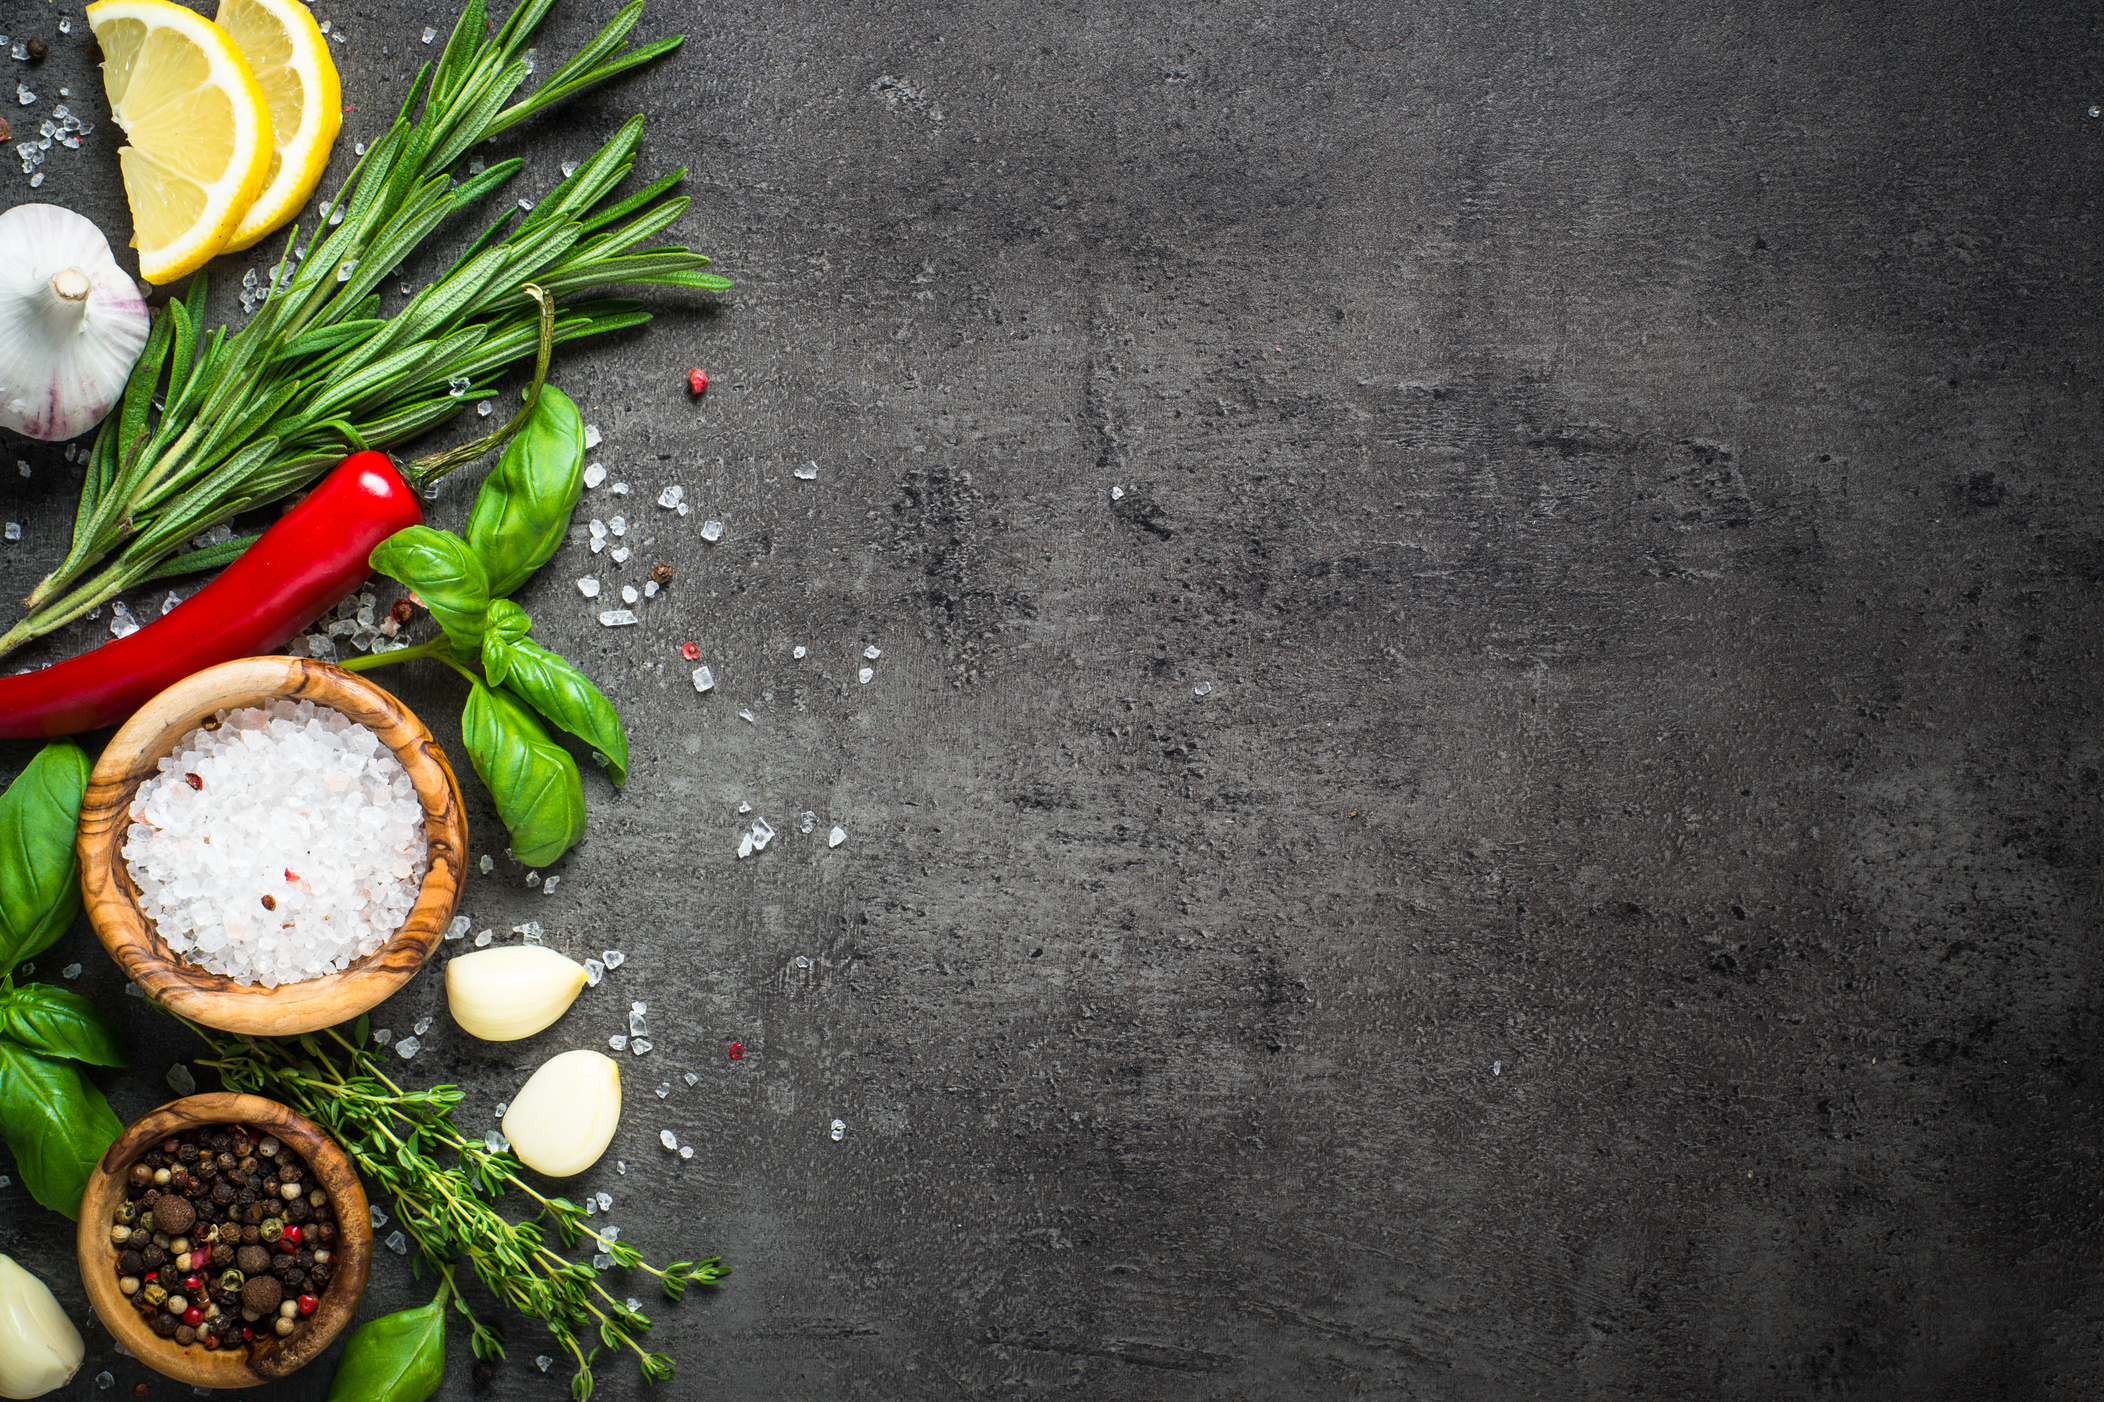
(215, 424)
(394, 1135)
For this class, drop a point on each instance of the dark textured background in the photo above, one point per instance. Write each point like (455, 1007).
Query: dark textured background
(1623, 921)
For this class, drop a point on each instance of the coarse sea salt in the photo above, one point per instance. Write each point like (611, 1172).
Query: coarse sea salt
(278, 845)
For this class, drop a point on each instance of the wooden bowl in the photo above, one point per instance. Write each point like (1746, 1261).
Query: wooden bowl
(271, 1357)
(112, 898)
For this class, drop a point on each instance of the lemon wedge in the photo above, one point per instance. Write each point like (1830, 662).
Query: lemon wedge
(289, 55)
(199, 132)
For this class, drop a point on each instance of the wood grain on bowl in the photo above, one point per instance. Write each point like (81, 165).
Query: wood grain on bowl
(270, 1357)
(112, 898)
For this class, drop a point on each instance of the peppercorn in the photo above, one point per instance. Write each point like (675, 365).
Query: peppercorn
(165, 1325)
(131, 1263)
(661, 572)
(485, 1374)
(37, 50)
(270, 1230)
(174, 1215)
(289, 1172)
(261, 1294)
(185, 1335)
(186, 1153)
(253, 1260)
(298, 1210)
(153, 1294)
(223, 1193)
(318, 1277)
(293, 1279)
(153, 1258)
(270, 902)
(141, 1175)
(251, 1234)
(403, 611)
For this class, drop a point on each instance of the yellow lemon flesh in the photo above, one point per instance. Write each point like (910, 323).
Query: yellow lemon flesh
(199, 132)
(289, 55)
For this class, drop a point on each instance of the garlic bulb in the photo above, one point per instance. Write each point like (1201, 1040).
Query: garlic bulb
(563, 1118)
(71, 323)
(40, 1350)
(501, 995)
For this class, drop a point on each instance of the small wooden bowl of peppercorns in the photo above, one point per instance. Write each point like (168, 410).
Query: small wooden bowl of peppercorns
(225, 1241)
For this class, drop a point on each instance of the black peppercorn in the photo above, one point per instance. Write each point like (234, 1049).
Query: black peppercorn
(131, 1263)
(141, 1175)
(222, 1255)
(222, 1193)
(165, 1325)
(185, 1336)
(318, 1277)
(293, 1279)
(37, 50)
(485, 1374)
(250, 1234)
(187, 1153)
(153, 1258)
(298, 1210)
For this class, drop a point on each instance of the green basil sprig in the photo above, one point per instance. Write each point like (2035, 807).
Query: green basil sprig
(54, 1119)
(395, 1358)
(552, 685)
(39, 873)
(445, 574)
(523, 509)
(539, 793)
(502, 626)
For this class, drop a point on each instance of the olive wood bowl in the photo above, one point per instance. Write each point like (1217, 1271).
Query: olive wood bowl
(112, 899)
(270, 1357)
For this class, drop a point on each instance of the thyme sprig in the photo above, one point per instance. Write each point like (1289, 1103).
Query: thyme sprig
(215, 424)
(394, 1135)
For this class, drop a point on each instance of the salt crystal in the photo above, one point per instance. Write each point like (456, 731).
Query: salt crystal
(379, 1217)
(745, 808)
(620, 554)
(638, 1019)
(650, 589)
(744, 846)
(865, 675)
(459, 927)
(482, 940)
(664, 1092)
(531, 930)
(488, 864)
(503, 1108)
(667, 1138)
(619, 1041)
(458, 386)
(476, 167)
(533, 878)
(600, 1260)
(747, 717)
(807, 473)
(13, 531)
(837, 836)
(806, 821)
(70, 971)
(429, 34)
(619, 525)
(619, 489)
(684, 508)
(548, 886)
(801, 961)
(686, 1151)
(423, 1025)
(325, 26)
(1202, 689)
(598, 544)
(398, 1243)
(762, 834)
(569, 169)
(591, 436)
(704, 679)
(122, 624)
(798, 651)
(872, 652)
(105, 1380)
(629, 594)
(361, 148)
(690, 1078)
(483, 409)
(621, 1166)
(670, 497)
(1117, 494)
(615, 958)
(616, 618)
(593, 972)
(594, 475)
(526, 204)
(589, 587)
(712, 531)
(495, 1142)
(839, 1130)
(383, 1035)
(543, 1362)
(408, 1047)
(179, 1078)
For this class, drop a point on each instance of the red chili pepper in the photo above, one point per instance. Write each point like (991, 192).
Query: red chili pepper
(303, 566)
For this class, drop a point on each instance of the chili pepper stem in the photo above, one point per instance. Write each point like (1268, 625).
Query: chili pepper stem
(372, 660)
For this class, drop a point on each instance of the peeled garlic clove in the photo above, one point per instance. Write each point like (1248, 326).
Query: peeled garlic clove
(501, 995)
(40, 1350)
(563, 1118)
(71, 323)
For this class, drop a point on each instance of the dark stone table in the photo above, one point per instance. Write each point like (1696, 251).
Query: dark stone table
(1484, 775)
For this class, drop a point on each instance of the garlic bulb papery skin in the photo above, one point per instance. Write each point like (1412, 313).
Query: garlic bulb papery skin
(565, 1115)
(501, 995)
(72, 323)
(40, 1350)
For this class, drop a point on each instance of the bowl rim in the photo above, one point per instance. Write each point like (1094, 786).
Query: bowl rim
(266, 1360)
(111, 897)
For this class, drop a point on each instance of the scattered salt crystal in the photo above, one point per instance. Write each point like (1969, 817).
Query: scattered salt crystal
(429, 34)
(495, 1141)
(526, 204)
(638, 1019)
(488, 864)
(639, 1045)
(798, 651)
(712, 531)
(865, 675)
(70, 971)
(569, 169)
(667, 1138)
(690, 1078)
(543, 1362)
(615, 958)
(704, 679)
(801, 961)
(482, 940)
(1202, 689)
(619, 525)
(872, 652)
(600, 1260)
(476, 167)
(747, 717)
(13, 531)
(620, 554)
(762, 834)
(361, 148)
(531, 931)
(483, 409)
(1117, 494)
(745, 808)
(408, 1047)
(503, 1108)
(619, 1041)
(621, 1166)
(839, 1130)
(650, 589)
(619, 489)
(23, 467)
(598, 544)
(807, 473)
(122, 624)
(398, 1243)
(325, 26)
(606, 1202)
(591, 436)
(548, 886)
(383, 1035)
(744, 846)
(459, 927)
(179, 1079)
(459, 385)
(686, 1151)
(594, 475)
(105, 1380)
(629, 594)
(616, 618)
(807, 821)
(379, 1217)
(593, 972)
(589, 587)
(423, 1025)
(671, 496)
(533, 878)
(837, 836)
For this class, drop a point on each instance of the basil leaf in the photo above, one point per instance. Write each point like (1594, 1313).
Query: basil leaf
(395, 1358)
(564, 696)
(539, 793)
(57, 1023)
(444, 573)
(57, 1123)
(523, 510)
(503, 625)
(39, 873)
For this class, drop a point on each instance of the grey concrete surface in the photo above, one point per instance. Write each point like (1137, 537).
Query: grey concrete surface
(1620, 919)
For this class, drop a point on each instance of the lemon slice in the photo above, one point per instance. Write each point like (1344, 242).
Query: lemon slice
(288, 54)
(199, 132)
